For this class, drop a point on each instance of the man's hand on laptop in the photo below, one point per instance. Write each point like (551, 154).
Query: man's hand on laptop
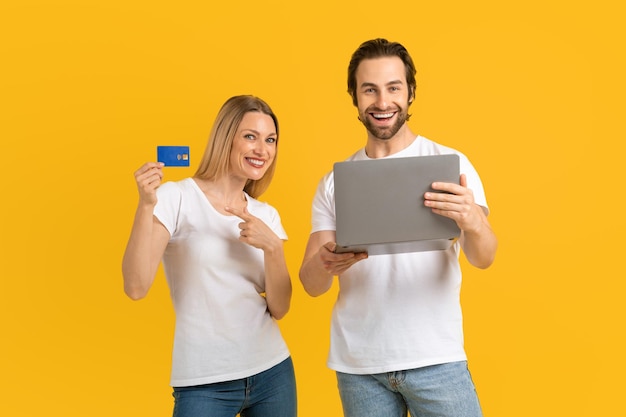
(337, 263)
(456, 202)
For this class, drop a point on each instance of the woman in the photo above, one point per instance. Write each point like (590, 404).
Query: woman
(223, 258)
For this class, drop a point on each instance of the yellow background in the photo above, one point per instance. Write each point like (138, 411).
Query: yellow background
(531, 91)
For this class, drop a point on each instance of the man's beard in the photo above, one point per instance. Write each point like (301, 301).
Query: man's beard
(386, 132)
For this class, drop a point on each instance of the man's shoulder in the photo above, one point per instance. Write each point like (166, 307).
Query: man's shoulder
(358, 155)
(425, 146)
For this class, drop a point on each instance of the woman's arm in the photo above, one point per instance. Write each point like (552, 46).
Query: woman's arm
(148, 237)
(278, 288)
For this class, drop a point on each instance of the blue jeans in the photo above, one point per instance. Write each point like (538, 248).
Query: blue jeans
(271, 393)
(445, 390)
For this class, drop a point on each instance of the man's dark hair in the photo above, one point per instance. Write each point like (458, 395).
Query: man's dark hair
(379, 48)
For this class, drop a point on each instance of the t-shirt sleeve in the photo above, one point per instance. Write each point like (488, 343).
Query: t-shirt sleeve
(167, 208)
(268, 214)
(323, 210)
(276, 224)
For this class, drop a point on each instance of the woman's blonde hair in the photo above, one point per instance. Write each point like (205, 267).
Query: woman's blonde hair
(215, 161)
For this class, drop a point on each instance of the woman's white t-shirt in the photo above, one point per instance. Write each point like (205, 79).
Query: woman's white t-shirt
(224, 330)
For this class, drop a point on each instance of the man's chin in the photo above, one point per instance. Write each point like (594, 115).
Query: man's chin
(387, 132)
(382, 133)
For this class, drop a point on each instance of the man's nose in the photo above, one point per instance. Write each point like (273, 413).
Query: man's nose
(382, 99)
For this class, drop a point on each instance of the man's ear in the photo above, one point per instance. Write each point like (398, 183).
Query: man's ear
(412, 96)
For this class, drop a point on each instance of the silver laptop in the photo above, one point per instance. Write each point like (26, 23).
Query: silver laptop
(379, 205)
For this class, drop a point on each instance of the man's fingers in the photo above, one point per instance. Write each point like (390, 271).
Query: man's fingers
(330, 246)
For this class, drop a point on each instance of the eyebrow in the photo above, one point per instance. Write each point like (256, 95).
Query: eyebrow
(256, 132)
(394, 82)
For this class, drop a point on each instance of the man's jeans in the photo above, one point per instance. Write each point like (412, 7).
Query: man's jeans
(445, 390)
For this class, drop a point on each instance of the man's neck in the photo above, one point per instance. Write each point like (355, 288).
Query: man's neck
(380, 148)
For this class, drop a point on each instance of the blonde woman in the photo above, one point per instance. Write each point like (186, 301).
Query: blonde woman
(222, 253)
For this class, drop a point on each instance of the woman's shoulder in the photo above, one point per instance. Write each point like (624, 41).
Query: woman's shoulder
(176, 188)
(260, 208)
(184, 184)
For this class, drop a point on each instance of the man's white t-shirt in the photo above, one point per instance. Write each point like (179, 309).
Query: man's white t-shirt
(223, 328)
(400, 311)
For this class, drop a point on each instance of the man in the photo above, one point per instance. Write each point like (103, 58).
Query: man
(396, 332)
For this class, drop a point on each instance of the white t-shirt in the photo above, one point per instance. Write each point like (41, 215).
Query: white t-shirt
(402, 311)
(224, 330)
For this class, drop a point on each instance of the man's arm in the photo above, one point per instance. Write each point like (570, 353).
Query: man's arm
(321, 264)
(478, 241)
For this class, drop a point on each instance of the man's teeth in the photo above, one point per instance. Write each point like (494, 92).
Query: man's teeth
(382, 116)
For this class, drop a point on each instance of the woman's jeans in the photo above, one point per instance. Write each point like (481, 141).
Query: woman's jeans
(271, 393)
(444, 390)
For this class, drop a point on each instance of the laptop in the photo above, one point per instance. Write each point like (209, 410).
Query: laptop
(379, 205)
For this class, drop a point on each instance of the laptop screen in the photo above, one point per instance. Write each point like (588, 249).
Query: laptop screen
(379, 204)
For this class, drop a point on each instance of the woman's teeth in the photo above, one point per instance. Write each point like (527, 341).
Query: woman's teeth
(256, 162)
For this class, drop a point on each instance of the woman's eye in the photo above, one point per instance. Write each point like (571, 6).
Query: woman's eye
(271, 140)
(249, 136)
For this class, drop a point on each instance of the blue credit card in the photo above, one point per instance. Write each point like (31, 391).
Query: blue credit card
(173, 156)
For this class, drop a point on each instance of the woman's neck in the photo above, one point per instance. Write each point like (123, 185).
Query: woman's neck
(223, 193)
